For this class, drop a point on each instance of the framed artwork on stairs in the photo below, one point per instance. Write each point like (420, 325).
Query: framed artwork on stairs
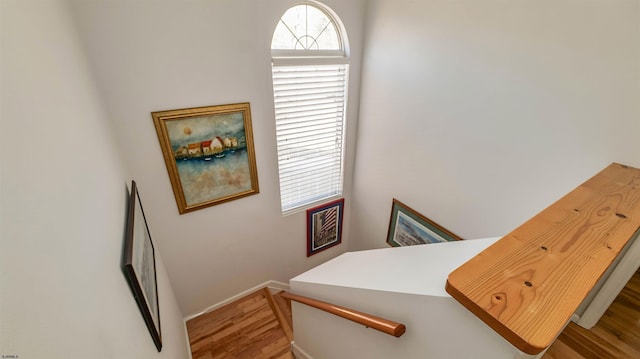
(324, 226)
(408, 228)
(209, 154)
(139, 266)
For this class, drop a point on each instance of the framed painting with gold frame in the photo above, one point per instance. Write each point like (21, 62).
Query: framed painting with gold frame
(209, 154)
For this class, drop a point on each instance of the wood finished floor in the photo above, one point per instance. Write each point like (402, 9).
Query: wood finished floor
(616, 336)
(246, 329)
(249, 329)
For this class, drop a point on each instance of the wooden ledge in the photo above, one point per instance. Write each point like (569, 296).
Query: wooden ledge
(527, 285)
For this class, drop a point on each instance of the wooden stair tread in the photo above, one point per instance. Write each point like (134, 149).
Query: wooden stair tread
(528, 284)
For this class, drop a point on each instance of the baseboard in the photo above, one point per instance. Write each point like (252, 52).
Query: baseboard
(298, 352)
(274, 286)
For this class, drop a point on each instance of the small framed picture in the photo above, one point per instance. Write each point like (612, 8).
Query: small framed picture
(324, 226)
(408, 227)
(139, 266)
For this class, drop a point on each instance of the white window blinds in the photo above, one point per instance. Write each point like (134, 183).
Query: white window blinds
(309, 110)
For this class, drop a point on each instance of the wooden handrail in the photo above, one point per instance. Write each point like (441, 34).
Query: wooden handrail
(368, 320)
(527, 285)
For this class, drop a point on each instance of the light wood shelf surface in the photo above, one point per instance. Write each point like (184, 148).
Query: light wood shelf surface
(528, 284)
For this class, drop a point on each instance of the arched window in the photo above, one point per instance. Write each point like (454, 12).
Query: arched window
(310, 75)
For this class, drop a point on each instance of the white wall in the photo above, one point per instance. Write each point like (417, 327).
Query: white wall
(169, 54)
(63, 199)
(405, 285)
(479, 114)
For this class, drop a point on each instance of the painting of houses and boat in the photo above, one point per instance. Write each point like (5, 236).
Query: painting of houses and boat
(209, 154)
(216, 147)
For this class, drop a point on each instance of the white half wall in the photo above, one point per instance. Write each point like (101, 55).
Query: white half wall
(405, 285)
(171, 54)
(480, 113)
(63, 200)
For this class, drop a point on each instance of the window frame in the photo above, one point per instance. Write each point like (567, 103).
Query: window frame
(309, 57)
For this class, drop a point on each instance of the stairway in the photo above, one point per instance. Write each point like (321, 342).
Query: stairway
(257, 326)
(505, 298)
(232, 331)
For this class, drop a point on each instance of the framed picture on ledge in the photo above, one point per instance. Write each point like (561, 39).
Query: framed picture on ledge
(408, 227)
(139, 266)
(324, 226)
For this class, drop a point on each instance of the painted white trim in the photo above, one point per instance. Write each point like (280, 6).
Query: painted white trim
(275, 286)
(271, 284)
(298, 352)
(309, 61)
(618, 279)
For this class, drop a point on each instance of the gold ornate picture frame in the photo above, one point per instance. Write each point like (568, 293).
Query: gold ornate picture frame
(209, 154)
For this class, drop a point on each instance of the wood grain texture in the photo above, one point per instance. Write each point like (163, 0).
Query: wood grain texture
(615, 336)
(528, 284)
(370, 321)
(285, 308)
(245, 329)
(282, 320)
